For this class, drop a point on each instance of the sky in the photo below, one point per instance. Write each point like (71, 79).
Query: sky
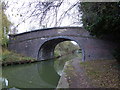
(16, 10)
(17, 13)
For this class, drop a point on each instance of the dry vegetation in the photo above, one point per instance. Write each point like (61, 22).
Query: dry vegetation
(103, 73)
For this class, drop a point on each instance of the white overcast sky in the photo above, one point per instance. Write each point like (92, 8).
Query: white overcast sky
(13, 14)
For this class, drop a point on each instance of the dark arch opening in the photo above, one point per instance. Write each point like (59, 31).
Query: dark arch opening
(46, 51)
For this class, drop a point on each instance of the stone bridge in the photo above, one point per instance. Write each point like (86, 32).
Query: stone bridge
(40, 44)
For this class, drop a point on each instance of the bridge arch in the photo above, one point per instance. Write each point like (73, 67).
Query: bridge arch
(46, 50)
(41, 42)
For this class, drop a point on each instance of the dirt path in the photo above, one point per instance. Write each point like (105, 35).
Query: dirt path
(76, 75)
(92, 74)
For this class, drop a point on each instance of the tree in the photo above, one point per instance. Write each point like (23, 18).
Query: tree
(65, 48)
(102, 18)
(4, 27)
(43, 13)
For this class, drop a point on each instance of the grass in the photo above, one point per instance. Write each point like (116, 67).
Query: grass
(8, 56)
(103, 73)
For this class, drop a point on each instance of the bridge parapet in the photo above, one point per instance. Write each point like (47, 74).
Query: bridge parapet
(49, 32)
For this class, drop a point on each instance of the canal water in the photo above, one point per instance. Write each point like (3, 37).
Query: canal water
(45, 74)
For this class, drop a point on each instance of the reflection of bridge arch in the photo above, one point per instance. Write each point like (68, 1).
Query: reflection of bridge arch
(46, 50)
(35, 75)
(47, 73)
(34, 42)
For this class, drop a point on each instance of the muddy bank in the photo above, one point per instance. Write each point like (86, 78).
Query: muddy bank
(23, 62)
(28, 61)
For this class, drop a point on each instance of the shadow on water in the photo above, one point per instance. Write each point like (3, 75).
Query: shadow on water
(43, 74)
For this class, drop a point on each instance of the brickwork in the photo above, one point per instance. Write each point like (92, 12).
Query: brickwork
(40, 43)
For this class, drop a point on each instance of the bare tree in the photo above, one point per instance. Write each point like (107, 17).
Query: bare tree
(46, 13)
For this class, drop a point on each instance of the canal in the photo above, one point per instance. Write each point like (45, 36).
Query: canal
(44, 74)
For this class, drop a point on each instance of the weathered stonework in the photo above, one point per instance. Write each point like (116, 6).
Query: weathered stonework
(40, 44)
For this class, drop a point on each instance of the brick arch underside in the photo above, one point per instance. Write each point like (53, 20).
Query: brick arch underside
(46, 50)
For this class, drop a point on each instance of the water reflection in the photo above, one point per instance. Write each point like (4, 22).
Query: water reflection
(60, 62)
(37, 75)
(44, 74)
(47, 72)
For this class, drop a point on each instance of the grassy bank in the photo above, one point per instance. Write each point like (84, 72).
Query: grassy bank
(103, 73)
(8, 56)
